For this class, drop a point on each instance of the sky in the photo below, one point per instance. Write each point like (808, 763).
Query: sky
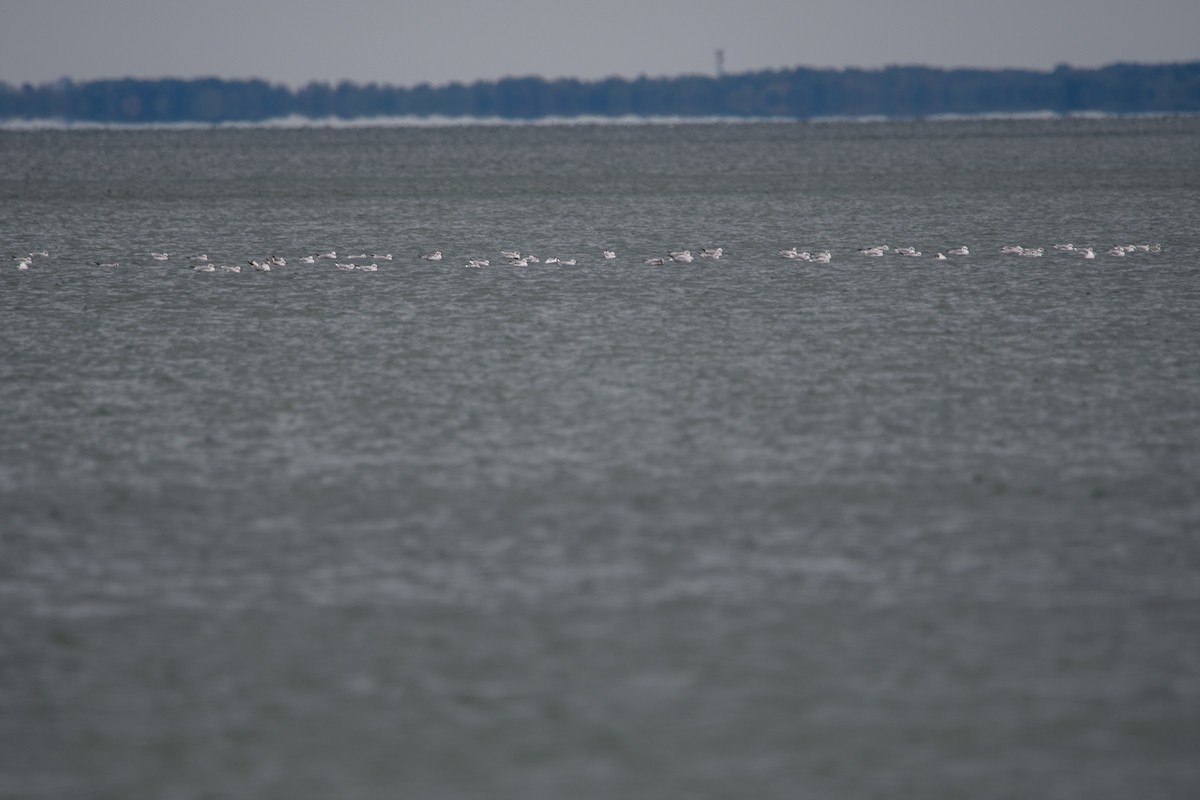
(441, 41)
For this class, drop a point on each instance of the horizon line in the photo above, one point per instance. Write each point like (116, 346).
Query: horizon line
(67, 79)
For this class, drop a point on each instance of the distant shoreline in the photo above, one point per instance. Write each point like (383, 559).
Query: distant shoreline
(910, 92)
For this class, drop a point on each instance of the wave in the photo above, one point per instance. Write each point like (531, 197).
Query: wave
(297, 122)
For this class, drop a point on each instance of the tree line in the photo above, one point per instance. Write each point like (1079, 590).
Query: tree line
(799, 93)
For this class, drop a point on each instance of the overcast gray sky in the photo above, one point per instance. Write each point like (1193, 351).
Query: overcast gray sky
(439, 41)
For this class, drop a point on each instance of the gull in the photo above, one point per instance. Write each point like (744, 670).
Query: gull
(524, 262)
(360, 255)
(343, 267)
(107, 263)
(510, 253)
(201, 257)
(332, 254)
(1011, 249)
(567, 262)
(713, 253)
(682, 256)
(1117, 250)
(384, 257)
(234, 268)
(1035, 252)
(22, 260)
(1087, 252)
(873, 252)
(160, 256)
(22, 266)
(308, 259)
(906, 251)
(609, 254)
(41, 253)
(260, 266)
(278, 261)
(823, 257)
(477, 263)
(436, 255)
(368, 267)
(959, 251)
(654, 262)
(204, 268)
(940, 257)
(1066, 247)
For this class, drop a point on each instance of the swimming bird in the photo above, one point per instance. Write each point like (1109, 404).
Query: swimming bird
(436, 255)
(510, 253)
(201, 257)
(681, 256)
(23, 266)
(873, 252)
(1087, 252)
(384, 257)
(260, 266)
(308, 259)
(477, 263)
(1065, 247)
(343, 266)
(107, 263)
(232, 268)
(368, 267)
(940, 257)
(331, 255)
(204, 268)
(160, 256)
(41, 253)
(714, 253)
(823, 257)
(1033, 252)
(1012, 249)
(654, 262)
(609, 254)
(278, 261)
(959, 251)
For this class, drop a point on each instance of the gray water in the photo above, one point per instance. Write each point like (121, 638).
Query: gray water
(746, 528)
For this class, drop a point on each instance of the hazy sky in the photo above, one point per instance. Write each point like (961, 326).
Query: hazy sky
(438, 41)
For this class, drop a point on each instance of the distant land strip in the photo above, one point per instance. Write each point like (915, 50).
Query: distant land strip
(800, 93)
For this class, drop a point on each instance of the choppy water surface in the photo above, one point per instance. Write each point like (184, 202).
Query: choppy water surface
(886, 527)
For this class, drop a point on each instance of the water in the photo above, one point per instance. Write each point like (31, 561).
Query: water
(745, 528)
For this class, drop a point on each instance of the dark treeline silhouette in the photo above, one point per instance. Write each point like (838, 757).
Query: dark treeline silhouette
(793, 93)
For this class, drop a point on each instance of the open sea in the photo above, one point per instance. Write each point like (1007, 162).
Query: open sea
(748, 527)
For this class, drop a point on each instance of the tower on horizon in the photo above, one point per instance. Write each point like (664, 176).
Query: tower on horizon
(720, 62)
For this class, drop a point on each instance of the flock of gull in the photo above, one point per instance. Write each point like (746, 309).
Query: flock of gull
(358, 263)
